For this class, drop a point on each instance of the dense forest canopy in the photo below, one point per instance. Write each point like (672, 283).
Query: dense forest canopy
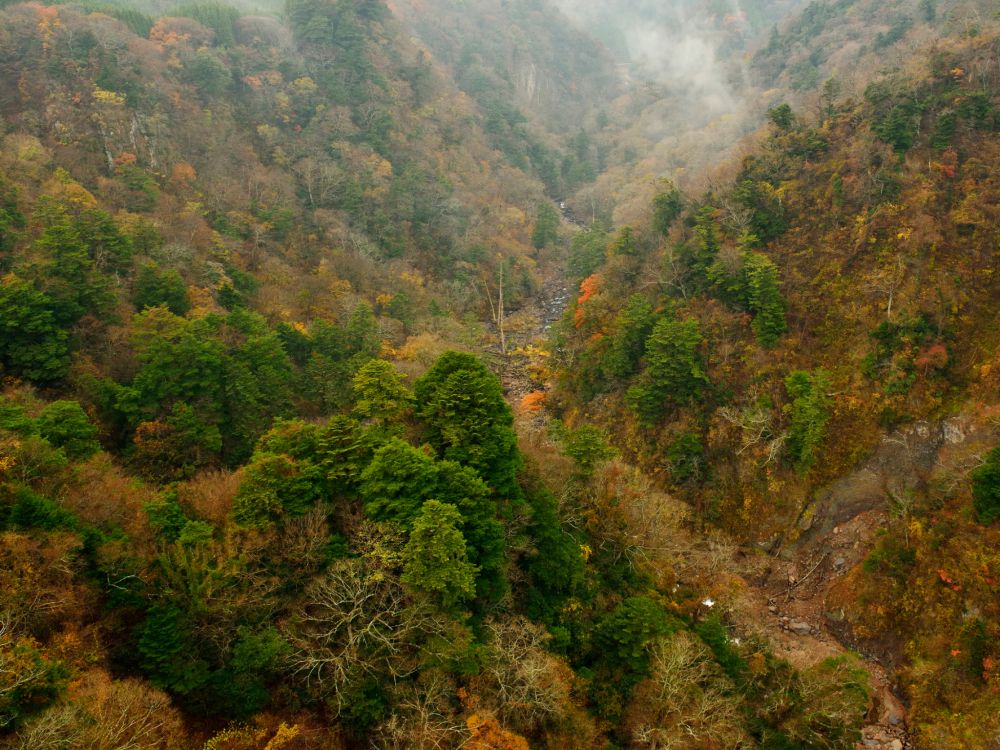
(499, 375)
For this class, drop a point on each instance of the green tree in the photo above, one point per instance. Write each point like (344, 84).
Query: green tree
(546, 229)
(167, 647)
(33, 344)
(28, 680)
(435, 560)
(667, 207)
(706, 245)
(207, 73)
(396, 483)
(11, 218)
(181, 361)
(674, 374)
(66, 426)
(467, 420)
(587, 251)
(631, 328)
(809, 411)
(65, 269)
(588, 447)
(363, 339)
(625, 244)
(782, 117)
(154, 287)
(275, 487)
(382, 396)
(763, 298)
(986, 488)
(460, 486)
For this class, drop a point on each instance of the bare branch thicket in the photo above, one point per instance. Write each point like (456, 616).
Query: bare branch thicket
(108, 715)
(686, 703)
(521, 677)
(357, 619)
(424, 717)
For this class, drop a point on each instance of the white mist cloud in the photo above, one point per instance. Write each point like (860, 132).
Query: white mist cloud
(676, 43)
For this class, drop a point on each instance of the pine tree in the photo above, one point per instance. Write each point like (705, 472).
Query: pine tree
(628, 342)
(674, 375)
(667, 207)
(763, 298)
(467, 420)
(986, 489)
(32, 342)
(809, 411)
(382, 397)
(397, 482)
(546, 229)
(435, 559)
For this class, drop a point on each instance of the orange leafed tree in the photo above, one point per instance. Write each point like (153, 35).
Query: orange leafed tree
(487, 734)
(588, 288)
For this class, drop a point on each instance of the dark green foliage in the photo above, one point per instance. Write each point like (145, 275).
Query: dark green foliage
(716, 637)
(69, 250)
(397, 482)
(67, 426)
(210, 75)
(166, 517)
(363, 339)
(893, 558)
(275, 487)
(219, 17)
(782, 117)
(588, 447)
(546, 230)
(33, 343)
(142, 190)
(897, 114)
(165, 645)
(897, 345)
(461, 405)
(897, 31)
(366, 704)
(631, 328)
(30, 510)
(757, 190)
(625, 244)
(154, 287)
(435, 560)
(186, 364)
(461, 487)
(674, 375)
(986, 488)
(11, 218)
(621, 638)
(944, 130)
(402, 308)
(764, 298)
(381, 395)
(556, 564)
(705, 250)
(686, 458)
(809, 411)
(667, 207)
(14, 419)
(242, 686)
(587, 251)
(928, 9)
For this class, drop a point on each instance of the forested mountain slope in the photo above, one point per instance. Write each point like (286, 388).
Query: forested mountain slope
(832, 290)
(260, 487)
